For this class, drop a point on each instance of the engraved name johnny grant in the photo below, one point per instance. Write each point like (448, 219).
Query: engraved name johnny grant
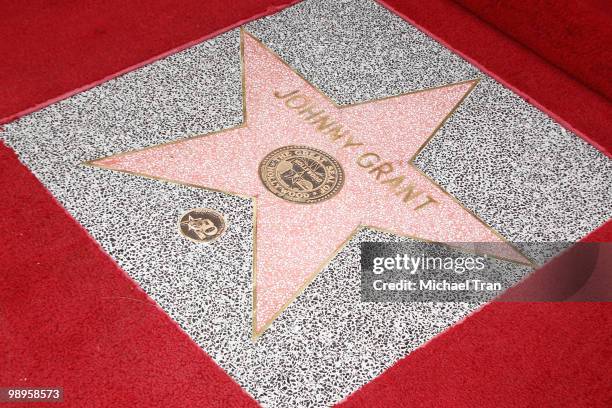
(381, 169)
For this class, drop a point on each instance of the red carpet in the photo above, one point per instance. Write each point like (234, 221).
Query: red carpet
(70, 317)
(53, 49)
(509, 355)
(547, 86)
(574, 36)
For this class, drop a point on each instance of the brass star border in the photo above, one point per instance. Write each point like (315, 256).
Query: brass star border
(255, 334)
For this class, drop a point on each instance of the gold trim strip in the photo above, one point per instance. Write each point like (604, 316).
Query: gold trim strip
(256, 334)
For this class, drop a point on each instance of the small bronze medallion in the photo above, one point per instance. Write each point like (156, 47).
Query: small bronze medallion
(202, 224)
(301, 174)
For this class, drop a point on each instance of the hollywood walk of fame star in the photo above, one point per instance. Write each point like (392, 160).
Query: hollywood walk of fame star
(299, 224)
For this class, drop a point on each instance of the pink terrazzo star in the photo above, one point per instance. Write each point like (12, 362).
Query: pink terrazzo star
(373, 142)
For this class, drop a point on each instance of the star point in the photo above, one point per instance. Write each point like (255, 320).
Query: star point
(374, 143)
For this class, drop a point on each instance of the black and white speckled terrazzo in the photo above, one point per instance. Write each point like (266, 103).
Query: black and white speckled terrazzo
(521, 172)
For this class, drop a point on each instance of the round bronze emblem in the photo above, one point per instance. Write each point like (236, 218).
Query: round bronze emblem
(202, 224)
(301, 174)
